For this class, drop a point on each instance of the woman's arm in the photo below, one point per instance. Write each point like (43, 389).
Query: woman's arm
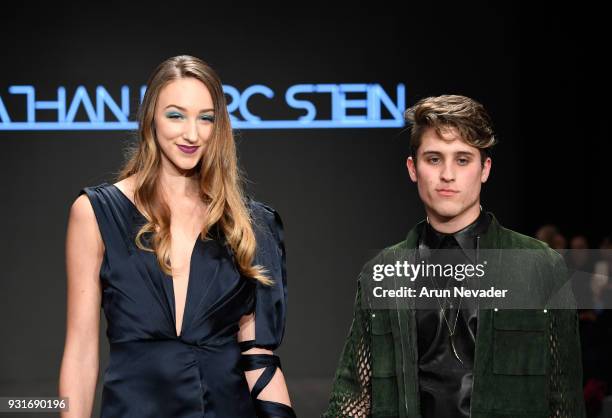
(80, 361)
(276, 390)
(263, 330)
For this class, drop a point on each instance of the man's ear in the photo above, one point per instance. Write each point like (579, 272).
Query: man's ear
(411, 165)
(486, 169)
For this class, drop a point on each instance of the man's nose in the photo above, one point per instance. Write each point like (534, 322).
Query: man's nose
(448, 173)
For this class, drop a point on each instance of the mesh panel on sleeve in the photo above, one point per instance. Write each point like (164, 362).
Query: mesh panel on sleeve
(358, 405)
(352, 392)
(560, 405)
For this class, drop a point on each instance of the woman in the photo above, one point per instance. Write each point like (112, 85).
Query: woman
(191, 325)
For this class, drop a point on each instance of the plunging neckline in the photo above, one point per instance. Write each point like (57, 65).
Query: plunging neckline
(185, 305)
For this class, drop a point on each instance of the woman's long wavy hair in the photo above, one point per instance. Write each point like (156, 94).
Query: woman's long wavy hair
(218, 174)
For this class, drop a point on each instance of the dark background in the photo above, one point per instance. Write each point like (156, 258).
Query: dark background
(342, 192)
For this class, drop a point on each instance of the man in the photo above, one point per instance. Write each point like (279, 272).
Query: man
(461, 360)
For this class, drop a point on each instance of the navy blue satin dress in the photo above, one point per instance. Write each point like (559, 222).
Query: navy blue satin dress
(152, 371)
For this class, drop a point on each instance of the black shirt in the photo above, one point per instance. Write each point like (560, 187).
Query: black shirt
(445, 369)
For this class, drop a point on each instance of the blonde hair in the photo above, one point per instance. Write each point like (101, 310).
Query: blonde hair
(220, 182)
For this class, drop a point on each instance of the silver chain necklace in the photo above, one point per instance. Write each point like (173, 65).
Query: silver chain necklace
(451, 332)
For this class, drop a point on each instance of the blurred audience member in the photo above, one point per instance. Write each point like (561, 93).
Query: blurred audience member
(547, 233)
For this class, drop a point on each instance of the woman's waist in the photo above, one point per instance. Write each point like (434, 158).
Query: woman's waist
(170, 360)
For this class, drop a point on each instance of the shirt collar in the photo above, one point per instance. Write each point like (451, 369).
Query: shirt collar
(465, 237)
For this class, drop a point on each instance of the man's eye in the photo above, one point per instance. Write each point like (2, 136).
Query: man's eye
(463, 161)
(434, 160)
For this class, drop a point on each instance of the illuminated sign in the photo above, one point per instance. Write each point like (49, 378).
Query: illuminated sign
(314, 106)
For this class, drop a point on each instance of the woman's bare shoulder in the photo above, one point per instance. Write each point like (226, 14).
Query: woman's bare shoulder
(82, 209)
(82, 223)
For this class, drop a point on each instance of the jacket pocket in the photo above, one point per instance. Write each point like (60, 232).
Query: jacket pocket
(519, 342)
(383, 358)
(384, 376)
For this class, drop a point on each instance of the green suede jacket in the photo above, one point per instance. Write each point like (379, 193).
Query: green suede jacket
(527, 362)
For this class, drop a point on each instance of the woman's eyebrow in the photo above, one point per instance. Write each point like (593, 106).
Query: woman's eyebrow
(185, 110)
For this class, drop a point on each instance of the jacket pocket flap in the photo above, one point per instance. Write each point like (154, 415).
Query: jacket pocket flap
(520, 320)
